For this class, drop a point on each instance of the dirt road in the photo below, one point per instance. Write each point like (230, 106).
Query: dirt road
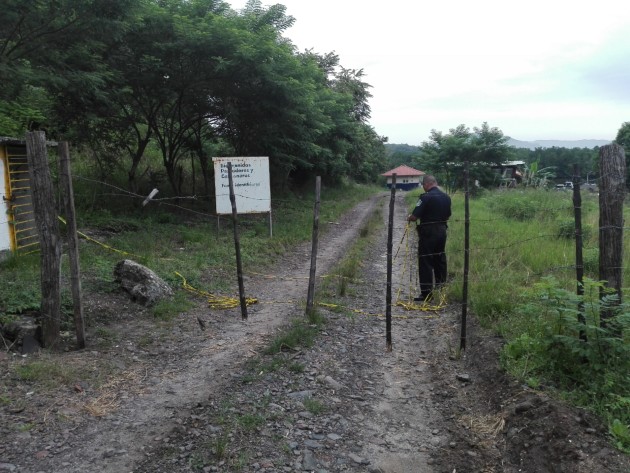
(188, 399)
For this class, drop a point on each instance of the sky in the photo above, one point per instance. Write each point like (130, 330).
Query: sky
(537, 70)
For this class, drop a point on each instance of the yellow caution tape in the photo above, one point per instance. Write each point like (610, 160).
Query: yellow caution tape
(100, 243)
(216, 302)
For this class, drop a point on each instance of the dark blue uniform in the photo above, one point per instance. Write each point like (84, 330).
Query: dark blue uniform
(432, 211)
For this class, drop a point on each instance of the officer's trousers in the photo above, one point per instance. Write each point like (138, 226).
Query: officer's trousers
(431, 257)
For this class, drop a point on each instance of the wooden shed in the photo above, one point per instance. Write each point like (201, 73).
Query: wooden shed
(18, 232)
(407, 178)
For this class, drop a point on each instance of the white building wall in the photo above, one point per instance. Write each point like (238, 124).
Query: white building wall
(5, 237)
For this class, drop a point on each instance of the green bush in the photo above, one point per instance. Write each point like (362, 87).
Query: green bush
(516, 209)
(528, 204)
(566, 229)
(590, 258)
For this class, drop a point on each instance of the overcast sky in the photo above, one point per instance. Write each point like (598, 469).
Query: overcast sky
(536, 69)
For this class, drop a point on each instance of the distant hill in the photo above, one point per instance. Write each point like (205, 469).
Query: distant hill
(401, 148)
(557, 143)
(570, 144)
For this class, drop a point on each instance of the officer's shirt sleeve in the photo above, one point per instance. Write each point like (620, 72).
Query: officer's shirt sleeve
(417, 211)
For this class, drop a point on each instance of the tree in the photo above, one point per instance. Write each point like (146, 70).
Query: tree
(57, 46)
(623, 139)
(188, 77)
(559, 162)
(444, 154)
(166, 71)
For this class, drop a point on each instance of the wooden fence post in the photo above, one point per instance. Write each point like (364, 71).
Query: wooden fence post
(48, 229)
(463, 336)
(237, 246)
(612, 192)
(388, 294)
(65, 182)
(311, 280)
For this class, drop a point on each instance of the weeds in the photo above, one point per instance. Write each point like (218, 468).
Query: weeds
(522, 282)
(168, 309)
(314, 406)
(250, 421)
(562, 339)
(300, 333)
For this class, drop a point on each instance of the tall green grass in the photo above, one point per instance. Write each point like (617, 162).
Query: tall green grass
(517, 238)
(522, 285)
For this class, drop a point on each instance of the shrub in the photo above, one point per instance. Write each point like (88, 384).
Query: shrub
(566, 229)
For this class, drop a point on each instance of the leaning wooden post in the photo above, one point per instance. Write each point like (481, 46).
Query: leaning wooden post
(462, 338)
(48, 229)
(612, 192)
(390, 245)
(65, 181)
(237, 246)
(311, 280)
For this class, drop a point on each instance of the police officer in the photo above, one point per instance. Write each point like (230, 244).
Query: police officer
(432, 212)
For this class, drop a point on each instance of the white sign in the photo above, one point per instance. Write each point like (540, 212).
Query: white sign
(250, 177)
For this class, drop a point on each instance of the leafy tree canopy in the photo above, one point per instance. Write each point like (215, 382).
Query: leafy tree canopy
(183, 77)
(444, 154)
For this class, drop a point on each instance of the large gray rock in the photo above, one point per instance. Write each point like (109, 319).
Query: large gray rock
(144, 286)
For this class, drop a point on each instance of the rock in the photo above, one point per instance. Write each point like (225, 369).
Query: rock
(357, 459)
(332, 383)
(313, 444)
(309, 463)
(144, 286)
(523, 407)
(301, 395)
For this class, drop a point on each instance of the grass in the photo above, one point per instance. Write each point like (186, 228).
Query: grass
(512, 248)
(45, 373)
(204, 255)
(339, 283)
(301, 333)
(522, 285)
(170, 239)
(314, 406)
(168, 309)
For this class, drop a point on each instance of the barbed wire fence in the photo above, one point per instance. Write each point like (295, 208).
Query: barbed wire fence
(611, 228)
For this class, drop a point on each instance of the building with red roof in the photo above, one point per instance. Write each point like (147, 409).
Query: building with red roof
(407, 178)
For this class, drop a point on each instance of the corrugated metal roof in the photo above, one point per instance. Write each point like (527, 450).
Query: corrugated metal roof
(7, 140)
(11, 141)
